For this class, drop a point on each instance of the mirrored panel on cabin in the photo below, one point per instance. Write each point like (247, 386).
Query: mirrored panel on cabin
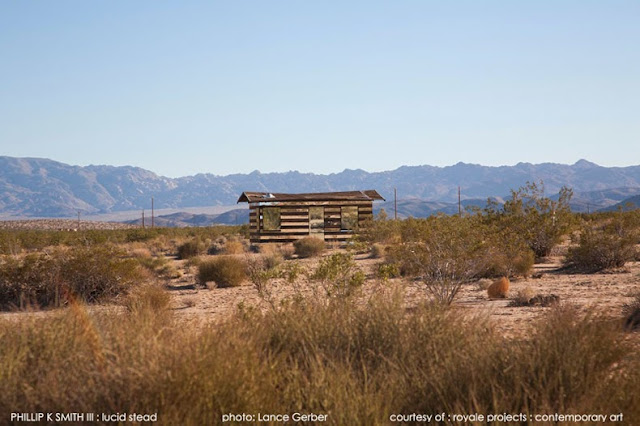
(349, 218)
(271, 218)
(316, 221)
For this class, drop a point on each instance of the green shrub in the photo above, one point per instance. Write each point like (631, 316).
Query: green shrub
(225, 271)
(600, 249)
(539, 220)
(291, 271)
(91, 274)
(309, 247)
(387, 271)
(507, 254)
(272, 260)
(377, 251)
(444, 252)
(261, 271)
(339, 274)
(217, 247)
(160, 266)
(191, 248)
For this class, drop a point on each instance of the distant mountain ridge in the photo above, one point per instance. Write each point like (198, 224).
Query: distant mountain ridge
(35, 187)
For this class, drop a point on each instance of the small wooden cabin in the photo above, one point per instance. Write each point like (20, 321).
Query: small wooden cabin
(332, 216)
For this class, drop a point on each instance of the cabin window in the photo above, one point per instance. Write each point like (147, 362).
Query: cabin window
(271, 218)
(349, 218)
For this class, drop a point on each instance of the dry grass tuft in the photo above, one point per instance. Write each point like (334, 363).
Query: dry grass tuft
(225, 271)
(632, 314)
(357, 362)
(499, 289)
(309, 247)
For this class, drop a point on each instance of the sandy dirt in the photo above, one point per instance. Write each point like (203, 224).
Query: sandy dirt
(603, 293)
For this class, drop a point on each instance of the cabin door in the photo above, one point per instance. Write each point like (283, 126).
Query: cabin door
(316, 222)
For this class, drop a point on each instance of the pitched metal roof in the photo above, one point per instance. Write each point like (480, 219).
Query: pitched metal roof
(257, 197)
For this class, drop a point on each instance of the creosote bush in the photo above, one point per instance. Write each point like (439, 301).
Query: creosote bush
(540, 221)
(387, 271)
(234, 247)
(92, 274)
(377, 251)
(444, 252)
(608, 246)
(309, 247)
(471, 246)
(225, 271)
(160, 266)
(192, 248)
(339, 275)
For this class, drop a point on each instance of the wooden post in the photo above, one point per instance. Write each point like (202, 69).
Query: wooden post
(152, 215)
(142, 218)
(459, 203)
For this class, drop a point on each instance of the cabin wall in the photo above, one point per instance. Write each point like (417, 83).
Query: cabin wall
(294, 220)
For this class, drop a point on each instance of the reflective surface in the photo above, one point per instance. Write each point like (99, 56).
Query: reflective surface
(271, 218)
(316, 221)
(349, 217)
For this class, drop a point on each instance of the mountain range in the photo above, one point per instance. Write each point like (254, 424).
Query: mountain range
(36, 187)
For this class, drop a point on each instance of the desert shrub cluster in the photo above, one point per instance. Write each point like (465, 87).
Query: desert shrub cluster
(191, 248)
(309, 247)
(505, 240)
(606, 244)
(52, 278)
(163, 239)
(339, 275)
(358, 363)
(225, 271)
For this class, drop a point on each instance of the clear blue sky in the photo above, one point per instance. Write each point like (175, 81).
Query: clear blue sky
(185, 87)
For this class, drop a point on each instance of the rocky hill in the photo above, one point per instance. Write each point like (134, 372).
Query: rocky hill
(34, 187)
(184, 219)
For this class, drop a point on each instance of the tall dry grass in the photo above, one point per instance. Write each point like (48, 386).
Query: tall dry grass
(356, 362)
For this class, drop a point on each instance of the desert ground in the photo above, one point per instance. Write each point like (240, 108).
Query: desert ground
(601, 293)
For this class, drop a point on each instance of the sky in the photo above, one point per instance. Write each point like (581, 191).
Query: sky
(187, 87)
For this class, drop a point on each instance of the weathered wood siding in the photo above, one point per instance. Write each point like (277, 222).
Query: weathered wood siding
(294, 220)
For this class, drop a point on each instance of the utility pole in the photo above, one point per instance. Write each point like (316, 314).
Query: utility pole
(152, 215)
(78, 219)
(459, 203)
(142, 218)
(395, 203)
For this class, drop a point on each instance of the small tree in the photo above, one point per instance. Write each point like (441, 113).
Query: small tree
(541, 221)
(448, 252)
